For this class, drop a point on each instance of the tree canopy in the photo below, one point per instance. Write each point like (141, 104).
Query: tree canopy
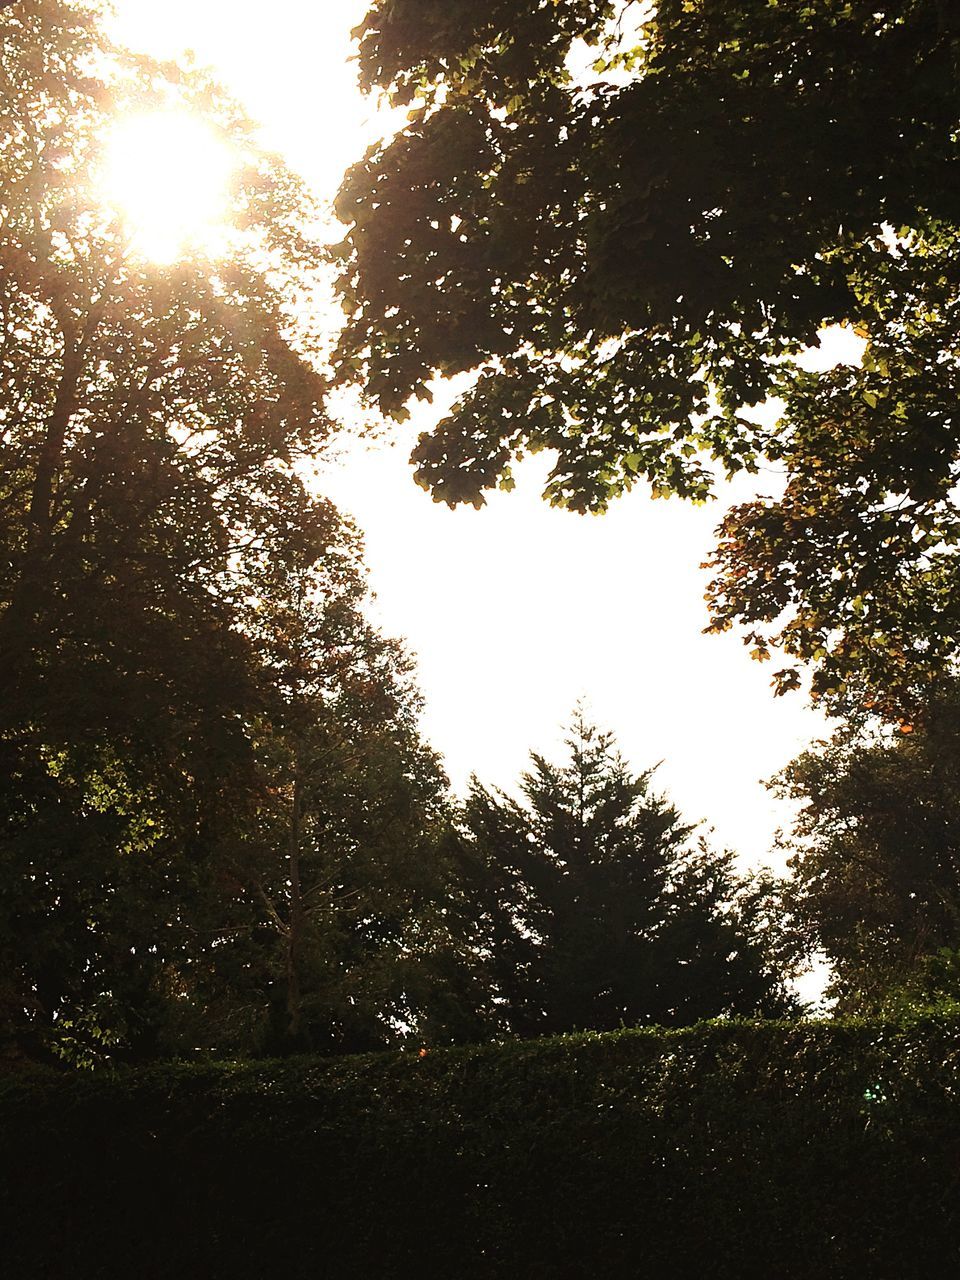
(221, 830)
(627, 221)
(876, 855)
(151, 413)
(335, 876)
(154, 422)
(590, 905)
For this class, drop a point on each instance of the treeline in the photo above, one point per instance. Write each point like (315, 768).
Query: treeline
(220, 828)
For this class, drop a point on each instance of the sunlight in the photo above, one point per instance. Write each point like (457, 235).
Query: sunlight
(167, 174)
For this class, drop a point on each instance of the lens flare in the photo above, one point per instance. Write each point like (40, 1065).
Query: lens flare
(168, 176)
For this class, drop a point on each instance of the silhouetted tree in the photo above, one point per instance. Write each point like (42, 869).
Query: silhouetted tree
(629, 253)
(335, 876)
(590, 905)
(876, 853)
(150, 417)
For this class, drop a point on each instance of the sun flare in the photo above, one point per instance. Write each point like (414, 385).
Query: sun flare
(168, 176)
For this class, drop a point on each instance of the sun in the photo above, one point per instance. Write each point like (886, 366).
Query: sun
(167, 174)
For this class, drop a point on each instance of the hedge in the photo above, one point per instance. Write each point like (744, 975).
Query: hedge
(727, 1150)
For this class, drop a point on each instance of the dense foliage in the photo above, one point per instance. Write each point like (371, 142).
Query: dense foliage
(628, 220)
(876, 858)
(155, 423)
(221, 831)
(818, 1151)
(589, 903)
(336, 873)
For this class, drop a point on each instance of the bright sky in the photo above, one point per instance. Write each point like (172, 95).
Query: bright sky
(517, 610)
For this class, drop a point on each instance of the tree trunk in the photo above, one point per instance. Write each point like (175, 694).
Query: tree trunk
(295, 931)
(16, 622)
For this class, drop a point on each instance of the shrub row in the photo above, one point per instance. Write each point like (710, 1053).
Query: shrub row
(729, 1150)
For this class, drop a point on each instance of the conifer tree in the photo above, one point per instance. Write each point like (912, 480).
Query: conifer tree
(593, 905)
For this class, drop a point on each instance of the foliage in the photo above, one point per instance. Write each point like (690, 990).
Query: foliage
(876, 858)
(150, 419)
(627, 257)
(123, 471)
(931, 987)
(590, 906)
(818, 1150)
(853, 568)
(335, 874)
(220, 828)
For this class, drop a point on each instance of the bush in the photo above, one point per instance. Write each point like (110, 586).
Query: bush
(738, 1150)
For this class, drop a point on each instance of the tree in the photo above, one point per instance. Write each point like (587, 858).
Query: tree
(853, 568)
(590, 906)
(151, 412)
(151, 416)
(876, 853)
(627, 257)
(334, 878)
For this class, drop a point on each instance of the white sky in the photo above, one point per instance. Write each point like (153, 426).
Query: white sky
(517, 610)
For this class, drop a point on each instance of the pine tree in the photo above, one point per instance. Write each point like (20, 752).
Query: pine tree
(595, 906)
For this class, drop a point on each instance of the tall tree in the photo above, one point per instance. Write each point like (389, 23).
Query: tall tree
(627, 255)
(150, 418)
(876, 852)
(150, 411)
(335, 877)
(591, 906)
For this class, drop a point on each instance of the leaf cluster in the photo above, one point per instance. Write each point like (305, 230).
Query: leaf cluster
(625, 263)
(876, 856)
